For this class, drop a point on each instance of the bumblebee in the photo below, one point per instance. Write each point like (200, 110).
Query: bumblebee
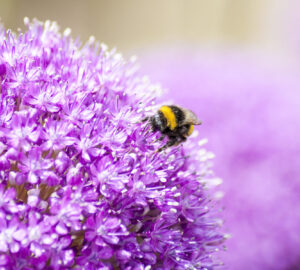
(173, 121)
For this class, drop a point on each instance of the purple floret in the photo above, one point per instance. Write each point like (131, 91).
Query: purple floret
(82, 186)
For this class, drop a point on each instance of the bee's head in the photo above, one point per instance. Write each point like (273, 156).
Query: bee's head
(157, 122)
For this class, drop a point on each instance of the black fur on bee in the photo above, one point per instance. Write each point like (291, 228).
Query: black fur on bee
(174, 122)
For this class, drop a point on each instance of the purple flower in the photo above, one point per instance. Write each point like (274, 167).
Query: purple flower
(250, 110)
(55, 135)
(82, 186)
(33, 168)
(7, 199)
(12, 232)
(2, 69)
(40, 236)
(104, 229)
(94, 257)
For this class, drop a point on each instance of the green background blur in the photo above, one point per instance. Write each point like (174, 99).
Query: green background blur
(131, 25)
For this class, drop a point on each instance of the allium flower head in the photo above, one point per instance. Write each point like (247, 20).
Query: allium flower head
(82, 186)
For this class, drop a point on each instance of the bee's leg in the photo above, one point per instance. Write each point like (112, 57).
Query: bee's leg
(160, 138)
(170, 143)
(181, 139)
(145, 119)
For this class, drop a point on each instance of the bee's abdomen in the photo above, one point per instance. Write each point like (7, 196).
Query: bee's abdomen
(190, 130)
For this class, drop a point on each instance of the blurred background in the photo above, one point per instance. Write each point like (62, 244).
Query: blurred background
(236, 64)
(135, 24)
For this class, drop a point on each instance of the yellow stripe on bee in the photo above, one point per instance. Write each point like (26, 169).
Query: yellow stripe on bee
(170, 116)
(190, 131)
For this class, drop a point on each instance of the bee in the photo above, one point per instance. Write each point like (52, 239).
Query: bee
(173, 121)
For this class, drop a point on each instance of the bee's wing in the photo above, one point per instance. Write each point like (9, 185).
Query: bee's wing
(191, 118)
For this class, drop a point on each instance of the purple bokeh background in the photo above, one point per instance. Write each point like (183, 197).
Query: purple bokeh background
(250, 109)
